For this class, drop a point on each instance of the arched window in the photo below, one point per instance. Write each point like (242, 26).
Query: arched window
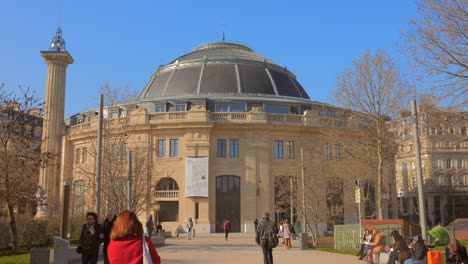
(167, 184)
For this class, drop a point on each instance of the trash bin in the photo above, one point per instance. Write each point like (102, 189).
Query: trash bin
(304, 241)
(39, 255)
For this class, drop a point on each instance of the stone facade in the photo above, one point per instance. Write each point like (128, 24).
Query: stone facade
(444, 154)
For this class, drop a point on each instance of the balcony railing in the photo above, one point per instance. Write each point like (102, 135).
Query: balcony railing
(228, 116)
(172, 195)
(167, 116)
(224, 117)
(284, 118)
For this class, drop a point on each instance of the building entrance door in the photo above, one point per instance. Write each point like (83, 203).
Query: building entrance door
(228, 202)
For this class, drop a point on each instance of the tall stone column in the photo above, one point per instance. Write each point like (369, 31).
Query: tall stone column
(53, 128)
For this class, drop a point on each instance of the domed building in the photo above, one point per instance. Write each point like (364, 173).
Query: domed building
(219, 133)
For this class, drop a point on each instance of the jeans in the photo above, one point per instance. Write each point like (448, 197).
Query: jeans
(392, 257)
(267, 252)
(410, 261)
(189, 234)
(150, 233)
(89, 259)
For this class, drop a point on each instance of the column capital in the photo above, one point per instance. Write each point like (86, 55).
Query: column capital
(57, 57)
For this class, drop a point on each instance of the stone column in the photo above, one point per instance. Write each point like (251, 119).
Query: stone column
(430, 209)
(53, 126)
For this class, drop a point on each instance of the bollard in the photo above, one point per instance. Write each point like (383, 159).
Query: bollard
(61, 250)
(304, 241)
(39, 255)
(193, 233)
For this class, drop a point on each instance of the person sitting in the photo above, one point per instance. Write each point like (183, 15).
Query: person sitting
(377, 246)
(455, 253)
(419, 251)
(158, 228)
(362, 250)
(400, 250)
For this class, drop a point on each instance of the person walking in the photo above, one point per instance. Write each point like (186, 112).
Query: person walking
(227, 228)
(261, 237)
(107, 228)
(287, 234)
(189, 228)
(128, 244)
(150, 226)
(90, 238)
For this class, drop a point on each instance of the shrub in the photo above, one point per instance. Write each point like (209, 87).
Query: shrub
(76, 222)
(5, 238)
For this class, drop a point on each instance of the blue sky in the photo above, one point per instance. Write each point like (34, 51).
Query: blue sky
(123, 42)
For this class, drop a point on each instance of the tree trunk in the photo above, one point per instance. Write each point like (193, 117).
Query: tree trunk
(379, 179)
(14, 230)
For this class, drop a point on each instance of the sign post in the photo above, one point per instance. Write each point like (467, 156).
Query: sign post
(357, 198)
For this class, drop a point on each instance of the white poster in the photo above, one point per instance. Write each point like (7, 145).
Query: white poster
(196, 177)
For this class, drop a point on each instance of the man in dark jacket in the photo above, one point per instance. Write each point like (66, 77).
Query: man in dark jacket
(261, 237)
(107, 226)
(419, 251)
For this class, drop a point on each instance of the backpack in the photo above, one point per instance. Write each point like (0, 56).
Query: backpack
(273, 239)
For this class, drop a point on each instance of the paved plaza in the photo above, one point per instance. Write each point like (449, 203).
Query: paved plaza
(240, 248)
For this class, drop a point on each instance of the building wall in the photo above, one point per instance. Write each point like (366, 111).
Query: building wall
(198, 131)
(443, 137)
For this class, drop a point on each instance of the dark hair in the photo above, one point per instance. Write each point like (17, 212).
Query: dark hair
(93, 214)
(127, 224)
(396, 235)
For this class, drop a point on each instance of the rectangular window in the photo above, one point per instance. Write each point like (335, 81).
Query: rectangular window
(114, 114)
(197, 211)
(237, 107)
(221, 148)
(115, 151)
(222, 108)
(161, 148)
(290, 145)
(327, 152)
(337, 152)
(234, 148)
(123, 152)
(181, 107)
(278, 109)
(160, 108)
(174, 147)
(78, 156)
(448, 163)
(279, 149)
(84, 155)
(79, 187)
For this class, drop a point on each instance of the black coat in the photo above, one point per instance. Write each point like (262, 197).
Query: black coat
(107, 227)
(90, 242)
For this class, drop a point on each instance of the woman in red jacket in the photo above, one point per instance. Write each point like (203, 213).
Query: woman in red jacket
(126, 246)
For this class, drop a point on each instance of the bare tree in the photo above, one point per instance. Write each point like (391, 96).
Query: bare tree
(20, 157)
(375, 89)
(437, 42)
(118, 140)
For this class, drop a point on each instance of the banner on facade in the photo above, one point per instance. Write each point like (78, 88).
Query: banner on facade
(196, 177)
